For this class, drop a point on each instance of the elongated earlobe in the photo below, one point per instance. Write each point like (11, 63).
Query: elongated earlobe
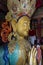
(13, 23)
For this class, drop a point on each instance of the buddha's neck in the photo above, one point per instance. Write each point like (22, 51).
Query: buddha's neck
(20, 37)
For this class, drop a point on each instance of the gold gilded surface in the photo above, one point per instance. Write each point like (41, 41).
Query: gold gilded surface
(8, 17)
(21, 61)
(13, 23)
(22, 55)
(23, 26)
(25, 52)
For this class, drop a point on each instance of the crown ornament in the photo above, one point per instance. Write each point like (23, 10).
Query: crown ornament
(21, 7)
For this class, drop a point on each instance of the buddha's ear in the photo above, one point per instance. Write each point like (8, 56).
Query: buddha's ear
(13, 23)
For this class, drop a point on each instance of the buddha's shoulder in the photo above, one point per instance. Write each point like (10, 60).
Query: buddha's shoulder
(11, 46)
(12, 42)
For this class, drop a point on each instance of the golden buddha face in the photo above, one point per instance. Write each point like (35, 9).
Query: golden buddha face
(23, 26)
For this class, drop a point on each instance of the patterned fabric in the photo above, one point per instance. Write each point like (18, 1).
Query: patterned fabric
(1, 56)
(14, 56)
(4, 55)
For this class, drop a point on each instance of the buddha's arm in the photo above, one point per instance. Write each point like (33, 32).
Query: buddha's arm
(28, 47)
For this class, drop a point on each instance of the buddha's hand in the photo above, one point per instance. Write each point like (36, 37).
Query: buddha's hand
(32, 56)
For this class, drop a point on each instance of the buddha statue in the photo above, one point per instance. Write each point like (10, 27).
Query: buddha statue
(20, 48)
(18, 51)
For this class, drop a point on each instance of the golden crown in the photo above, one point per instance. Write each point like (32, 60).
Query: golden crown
(21, 7)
